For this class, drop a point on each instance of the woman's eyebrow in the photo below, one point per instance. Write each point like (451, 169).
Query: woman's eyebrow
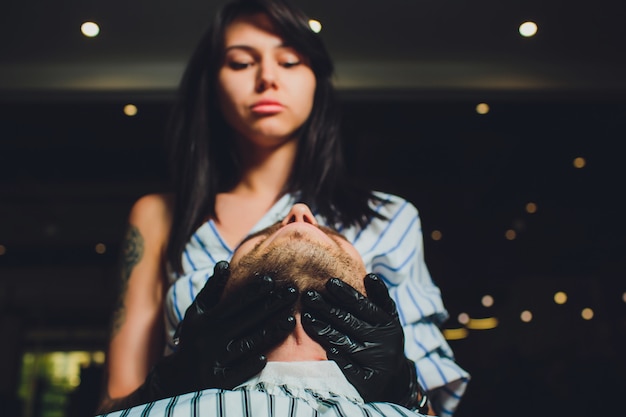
(251, 48)
(244, 47)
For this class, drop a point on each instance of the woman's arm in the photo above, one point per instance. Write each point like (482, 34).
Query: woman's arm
(136, 340)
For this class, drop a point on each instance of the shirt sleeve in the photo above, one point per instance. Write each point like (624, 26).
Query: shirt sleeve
(395, 252)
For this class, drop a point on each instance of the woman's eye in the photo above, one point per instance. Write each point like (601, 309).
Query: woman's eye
(239, 65)
(290, 64)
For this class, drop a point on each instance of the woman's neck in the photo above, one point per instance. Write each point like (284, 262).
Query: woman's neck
(265, 170)
(264, 174)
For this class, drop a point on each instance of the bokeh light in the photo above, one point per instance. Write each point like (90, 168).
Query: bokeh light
(579, 162)
(531, 208)
(560, 297)
(130, 110)
(101, 248)
(482, 108)
(487, 300)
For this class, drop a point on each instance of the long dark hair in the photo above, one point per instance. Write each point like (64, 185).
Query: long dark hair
(203, 158)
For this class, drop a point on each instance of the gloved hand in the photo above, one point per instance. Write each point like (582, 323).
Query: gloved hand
(223, 346)
(364, 337)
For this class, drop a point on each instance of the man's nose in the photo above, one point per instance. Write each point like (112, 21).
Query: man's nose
(299, 213)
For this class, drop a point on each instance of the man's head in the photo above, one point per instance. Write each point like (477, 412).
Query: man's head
(299, 252)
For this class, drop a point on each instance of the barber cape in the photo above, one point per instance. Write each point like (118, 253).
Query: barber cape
(282, 389)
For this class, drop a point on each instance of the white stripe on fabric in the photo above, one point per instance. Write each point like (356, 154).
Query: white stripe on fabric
(195, 404)
(413, 288)
(390, 224)
(203, 247)
(394, 268)
(219, 238)
(401, 240)
(146, 411)
(253, 403)
(187, 257)
(179, 314)
(377, 209)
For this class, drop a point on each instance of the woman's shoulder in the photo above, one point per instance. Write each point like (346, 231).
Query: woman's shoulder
(153, 205)
(152, 212)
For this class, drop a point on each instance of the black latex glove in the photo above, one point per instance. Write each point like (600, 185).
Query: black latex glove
(223, 346)
(364, 337)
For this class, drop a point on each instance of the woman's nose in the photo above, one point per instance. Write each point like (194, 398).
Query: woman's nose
(299, 213)
(266, 77)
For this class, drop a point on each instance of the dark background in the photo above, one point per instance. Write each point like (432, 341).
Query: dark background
(71, 165)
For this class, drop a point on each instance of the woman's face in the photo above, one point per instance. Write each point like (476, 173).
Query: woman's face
(265, 87)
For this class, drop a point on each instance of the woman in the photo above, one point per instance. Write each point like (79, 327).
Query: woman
(255, 129)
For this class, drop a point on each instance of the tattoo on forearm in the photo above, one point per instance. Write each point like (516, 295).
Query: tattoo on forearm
(132, 251)
(108, 404)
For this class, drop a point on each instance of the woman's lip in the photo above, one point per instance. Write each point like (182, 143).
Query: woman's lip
(267, 107)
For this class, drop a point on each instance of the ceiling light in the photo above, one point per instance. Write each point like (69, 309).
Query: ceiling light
(528, 29)
(315, 25)
(90, 29)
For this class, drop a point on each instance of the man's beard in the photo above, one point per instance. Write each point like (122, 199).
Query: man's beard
(304, 263)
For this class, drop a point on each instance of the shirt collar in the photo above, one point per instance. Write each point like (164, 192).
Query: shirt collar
(321, 377)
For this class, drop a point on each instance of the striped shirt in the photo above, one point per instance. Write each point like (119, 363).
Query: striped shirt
(312, 389)
(390, 247)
